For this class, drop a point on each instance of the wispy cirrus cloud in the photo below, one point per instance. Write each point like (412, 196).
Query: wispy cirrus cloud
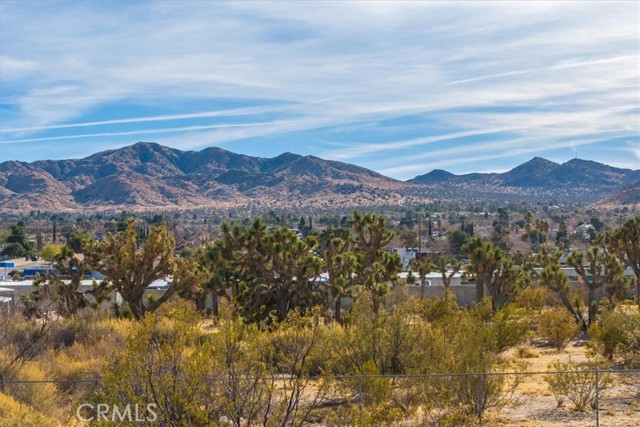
(375, 83)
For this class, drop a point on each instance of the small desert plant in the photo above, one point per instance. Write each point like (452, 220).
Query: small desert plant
(557, 327)
(617, 337)
(380, 415)
(525, 352)
(577, 382)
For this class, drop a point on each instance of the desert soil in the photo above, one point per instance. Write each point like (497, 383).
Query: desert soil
(535, 406)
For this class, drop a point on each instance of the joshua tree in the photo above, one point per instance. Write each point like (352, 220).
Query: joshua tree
(223, 259)
(625, 243)
(281, 273)
(492, 267)
(130, 270)
(422, 266)
(378, 267)
(555, 279)
(447, 267)
(341, 261)
(601, 269)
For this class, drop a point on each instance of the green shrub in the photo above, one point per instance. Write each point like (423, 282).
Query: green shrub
(510, 327)
(617, 337)
(557, 327)
(437, 309)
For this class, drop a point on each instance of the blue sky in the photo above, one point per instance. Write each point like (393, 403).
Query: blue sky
(398, 87)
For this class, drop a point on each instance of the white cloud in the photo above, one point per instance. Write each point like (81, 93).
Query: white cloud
(205, 114)
(549, 69)
(157, 131)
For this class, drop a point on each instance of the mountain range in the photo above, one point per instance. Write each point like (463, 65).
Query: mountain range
(147, 176)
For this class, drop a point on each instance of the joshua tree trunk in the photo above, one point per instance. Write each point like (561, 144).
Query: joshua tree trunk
(214, 303)
(479, 288)
(592, 307)
(338, 310)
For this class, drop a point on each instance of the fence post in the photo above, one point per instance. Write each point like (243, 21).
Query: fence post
(479, 403)
(360, 394)
(597, 398)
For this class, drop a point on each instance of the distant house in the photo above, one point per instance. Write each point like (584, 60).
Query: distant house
(31, 273)
(573, 276)
(433, 279)
(406, 254)
(7, 300)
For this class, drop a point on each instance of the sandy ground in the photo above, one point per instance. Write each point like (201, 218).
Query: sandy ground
(535, 406)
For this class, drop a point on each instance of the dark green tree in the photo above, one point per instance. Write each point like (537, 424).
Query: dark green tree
(18, 244)
(77, 240)
(457, 239)
(500, 233)
(224, 260)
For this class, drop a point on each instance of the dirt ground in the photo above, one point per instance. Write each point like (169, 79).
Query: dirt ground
(535, 406)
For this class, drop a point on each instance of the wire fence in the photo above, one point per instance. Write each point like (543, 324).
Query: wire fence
(601, 398)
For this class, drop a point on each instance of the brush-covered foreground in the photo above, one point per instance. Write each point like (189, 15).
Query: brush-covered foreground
(310, 370)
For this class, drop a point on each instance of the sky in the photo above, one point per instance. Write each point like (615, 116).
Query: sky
(398, 87)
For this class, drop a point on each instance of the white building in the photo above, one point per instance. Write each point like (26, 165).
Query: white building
(433, 278)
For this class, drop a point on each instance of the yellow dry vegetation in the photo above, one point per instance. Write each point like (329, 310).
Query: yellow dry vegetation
(14, 413)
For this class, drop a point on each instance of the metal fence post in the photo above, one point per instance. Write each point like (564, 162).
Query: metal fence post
(479, 403)
(360, 394)
(597, 398)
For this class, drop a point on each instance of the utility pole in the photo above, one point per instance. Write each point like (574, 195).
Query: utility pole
(419, 235)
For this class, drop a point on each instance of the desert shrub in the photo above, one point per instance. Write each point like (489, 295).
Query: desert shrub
(533, 298)
(437, 309)
(242, 384)
(483, 309)
(373, 402)
(288, 339)
(576, 382)
(374, 389)
(617, 337)
(159, 365)
(526, 352)
(374, 416)
(392, 338)
(40, 396)
(510, 327)
(121, 311)
(557, 327)
(25, 338)
(469, 346)
(14, 413)
(294, 396)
